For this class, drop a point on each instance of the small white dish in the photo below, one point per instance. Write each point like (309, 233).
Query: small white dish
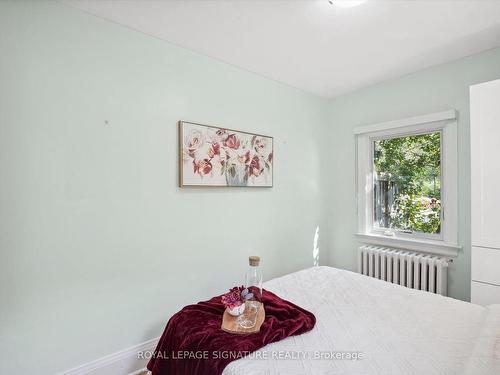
(236, 311)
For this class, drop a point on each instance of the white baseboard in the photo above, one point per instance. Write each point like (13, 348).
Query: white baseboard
(120, 363)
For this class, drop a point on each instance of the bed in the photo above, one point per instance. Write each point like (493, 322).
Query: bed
(377, 328)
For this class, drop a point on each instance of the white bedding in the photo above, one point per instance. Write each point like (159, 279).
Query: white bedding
(398, 330)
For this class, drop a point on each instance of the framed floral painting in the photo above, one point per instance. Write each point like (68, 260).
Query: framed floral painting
(215, 156)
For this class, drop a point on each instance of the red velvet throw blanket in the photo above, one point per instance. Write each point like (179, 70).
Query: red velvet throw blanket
(194, 344)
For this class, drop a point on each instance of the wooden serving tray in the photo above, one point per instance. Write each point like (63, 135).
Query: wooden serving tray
(230, 323)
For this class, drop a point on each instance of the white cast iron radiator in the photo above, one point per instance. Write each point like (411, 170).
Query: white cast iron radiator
(406, 268)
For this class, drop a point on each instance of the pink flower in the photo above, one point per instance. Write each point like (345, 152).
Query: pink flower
(255, 169)
(245, 158)
(214, 150)
(270, 157)
(193, 141)
(216, 135)
(203, 167)
(260, 144)
(232, 299)
(221, 134)
(232, 142)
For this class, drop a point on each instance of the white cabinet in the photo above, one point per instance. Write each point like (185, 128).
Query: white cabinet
(485, 192)
(485, 265)
(485, 275)
(484, 294)
(485, 163)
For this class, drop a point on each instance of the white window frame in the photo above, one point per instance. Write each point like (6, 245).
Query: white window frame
(444, 243)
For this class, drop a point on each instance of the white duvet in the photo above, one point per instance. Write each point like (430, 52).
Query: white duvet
(395, 330)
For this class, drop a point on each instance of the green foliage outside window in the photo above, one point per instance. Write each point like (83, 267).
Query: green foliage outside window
(408, 183)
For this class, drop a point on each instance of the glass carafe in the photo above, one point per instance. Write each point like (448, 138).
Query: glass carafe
(253, 280)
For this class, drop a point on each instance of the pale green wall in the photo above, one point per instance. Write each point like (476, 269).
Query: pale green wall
(435, 89)
(98, 244)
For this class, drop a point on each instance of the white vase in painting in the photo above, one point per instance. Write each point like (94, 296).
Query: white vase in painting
(236, 175)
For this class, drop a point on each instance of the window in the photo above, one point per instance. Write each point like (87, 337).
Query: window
(406, 183)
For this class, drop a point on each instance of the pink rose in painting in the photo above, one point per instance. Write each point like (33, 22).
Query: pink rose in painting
(232, 142)
(255, 169)
(203, 167)
(222, 134)
(214, 150)
(245, 158)
(193, 141)
(260, 144)
(270, 157)
(217, 135)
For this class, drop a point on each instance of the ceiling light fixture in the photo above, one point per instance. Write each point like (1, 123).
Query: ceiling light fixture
(346, 3)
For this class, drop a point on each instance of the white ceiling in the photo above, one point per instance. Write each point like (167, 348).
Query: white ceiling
(312, 45)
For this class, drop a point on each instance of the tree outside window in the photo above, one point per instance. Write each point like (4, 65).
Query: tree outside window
(407, 183)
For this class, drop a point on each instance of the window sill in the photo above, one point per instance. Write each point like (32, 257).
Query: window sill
(418, 245)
